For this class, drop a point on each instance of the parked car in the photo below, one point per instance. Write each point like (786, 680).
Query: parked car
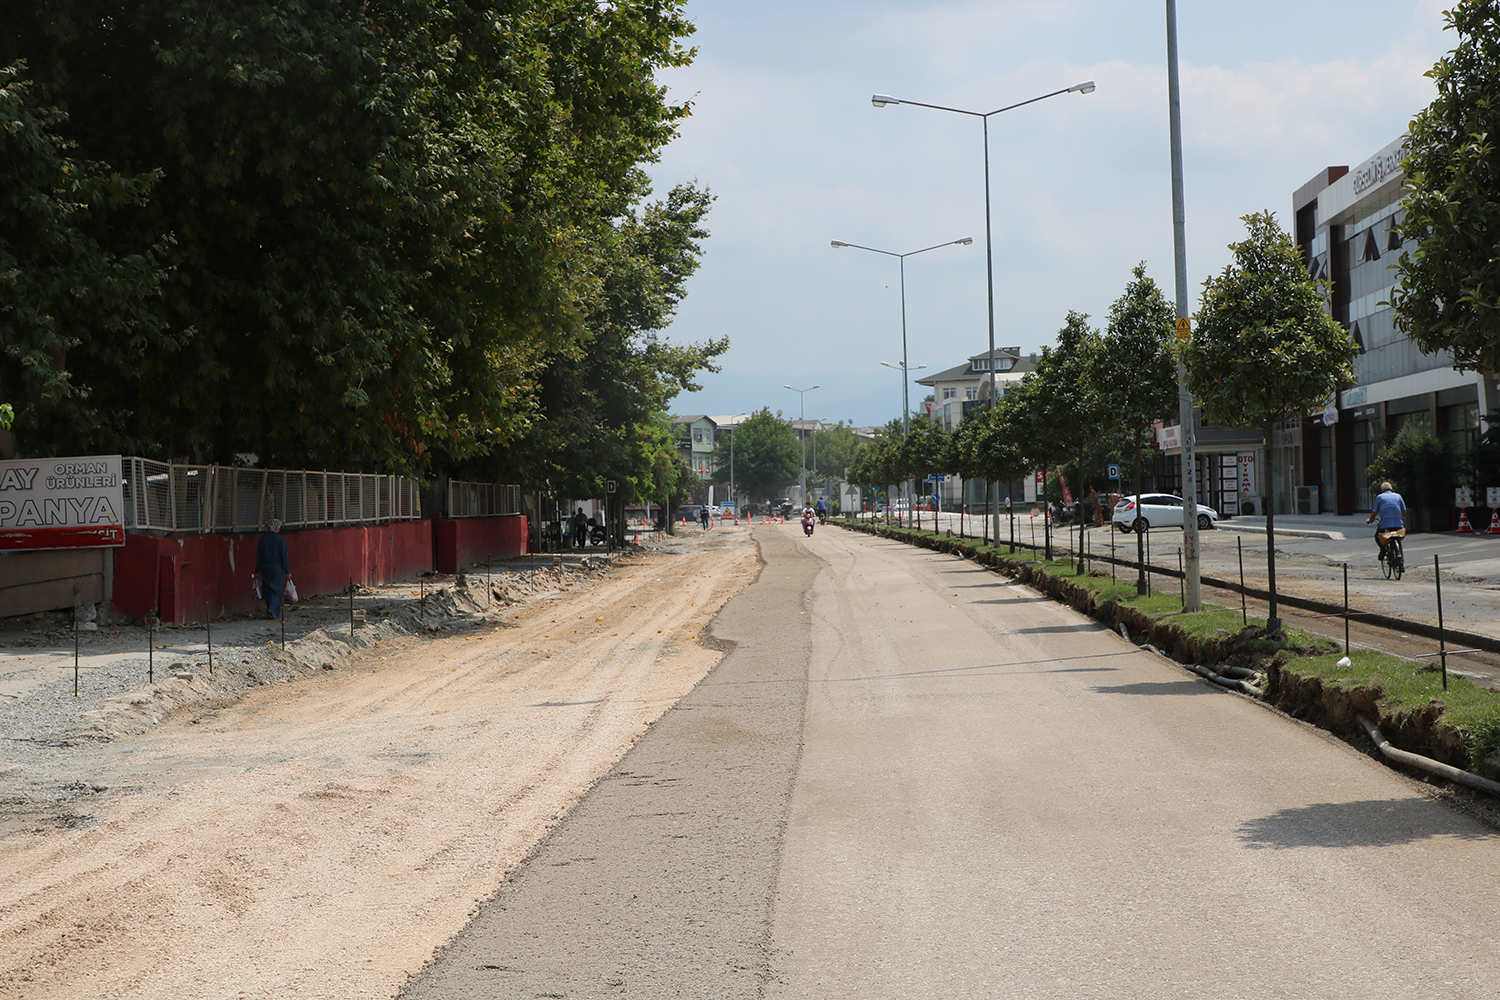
(1085, 508)
(1157, 510)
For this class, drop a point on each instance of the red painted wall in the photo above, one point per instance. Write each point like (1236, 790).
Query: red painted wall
(184, 574)
(465, 541)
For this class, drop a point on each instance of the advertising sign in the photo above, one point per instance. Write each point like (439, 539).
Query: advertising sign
(1247, 475)
(1168, 438)
(62, 503)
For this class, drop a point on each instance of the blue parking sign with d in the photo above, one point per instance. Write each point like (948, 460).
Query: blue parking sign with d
(1112, 470)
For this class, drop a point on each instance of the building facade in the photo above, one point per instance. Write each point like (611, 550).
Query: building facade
(1345, 222)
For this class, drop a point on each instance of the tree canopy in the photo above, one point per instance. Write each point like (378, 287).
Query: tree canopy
(371, 227)
(1265, 350)
(1448, 297)
(766, 455)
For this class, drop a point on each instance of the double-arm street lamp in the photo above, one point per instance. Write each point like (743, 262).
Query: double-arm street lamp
(802, 430)
(880, 101)
(966, 241)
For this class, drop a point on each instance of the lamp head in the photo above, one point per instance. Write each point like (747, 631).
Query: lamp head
(1086, 87)
(837, 243)
(966, 241)
(788, 387)
(881, 100)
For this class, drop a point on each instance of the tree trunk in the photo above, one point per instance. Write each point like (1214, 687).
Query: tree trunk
(1273, 623)
(1140, 539)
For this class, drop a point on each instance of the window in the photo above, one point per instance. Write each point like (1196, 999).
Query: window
(979, 364)
(949, 392)
(971, 393)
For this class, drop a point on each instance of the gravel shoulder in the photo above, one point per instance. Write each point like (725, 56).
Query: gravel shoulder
(315, 822)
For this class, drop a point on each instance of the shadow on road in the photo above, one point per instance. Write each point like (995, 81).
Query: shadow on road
(1372, 823)
(1158, 688)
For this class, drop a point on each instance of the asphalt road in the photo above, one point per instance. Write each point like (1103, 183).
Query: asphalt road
(913, 778)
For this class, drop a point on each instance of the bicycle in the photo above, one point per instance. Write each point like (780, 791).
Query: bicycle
(1395, 561)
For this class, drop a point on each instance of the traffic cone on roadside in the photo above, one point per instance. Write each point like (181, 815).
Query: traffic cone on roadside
(1494, 522)
(1464, 528)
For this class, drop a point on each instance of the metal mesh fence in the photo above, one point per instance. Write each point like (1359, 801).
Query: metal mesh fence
(208, 498)
(482, 499)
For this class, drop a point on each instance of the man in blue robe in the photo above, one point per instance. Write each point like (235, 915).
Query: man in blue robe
(272, 567)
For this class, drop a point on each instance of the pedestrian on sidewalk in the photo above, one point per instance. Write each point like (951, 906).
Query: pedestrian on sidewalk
(581, 528)
(703, 516)
(272, 567)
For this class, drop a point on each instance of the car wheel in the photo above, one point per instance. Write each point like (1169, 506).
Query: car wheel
(1124, 528)
(1205, 523)
(1141, 524)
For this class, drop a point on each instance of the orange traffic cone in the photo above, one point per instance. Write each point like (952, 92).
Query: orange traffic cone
(1464, 528)
(1494, 523)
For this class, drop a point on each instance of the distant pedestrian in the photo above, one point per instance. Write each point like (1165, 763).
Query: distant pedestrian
(581, 528)
(703, 516)
(272, 567)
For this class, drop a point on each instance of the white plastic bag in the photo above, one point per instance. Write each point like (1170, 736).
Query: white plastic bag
(291, 590)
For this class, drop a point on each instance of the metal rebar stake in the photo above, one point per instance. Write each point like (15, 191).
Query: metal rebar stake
(1437, 579)
(150, 649)
(1239, 543)
(1346, 609)
(209, 628)
(75, 649)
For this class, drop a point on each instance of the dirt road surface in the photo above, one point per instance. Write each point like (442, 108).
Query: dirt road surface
(320, 838)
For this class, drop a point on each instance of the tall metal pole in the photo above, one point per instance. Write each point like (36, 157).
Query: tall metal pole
(802, 430)
(1192, 587)
(992, 490)
(882, 100)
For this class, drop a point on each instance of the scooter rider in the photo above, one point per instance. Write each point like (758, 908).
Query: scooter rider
(1390, 510)
(822, 510)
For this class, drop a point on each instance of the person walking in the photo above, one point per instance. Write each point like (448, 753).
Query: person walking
(581, 528)
(703, 516)
(272, 567)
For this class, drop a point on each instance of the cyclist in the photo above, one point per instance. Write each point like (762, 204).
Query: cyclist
(1390, 510)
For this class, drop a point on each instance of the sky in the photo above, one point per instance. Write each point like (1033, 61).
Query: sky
(783, 133)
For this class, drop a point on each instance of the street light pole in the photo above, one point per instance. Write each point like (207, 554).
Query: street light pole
(905, 371)
(802, 432)
(880, 101)
(966, 241)
(1192, 589)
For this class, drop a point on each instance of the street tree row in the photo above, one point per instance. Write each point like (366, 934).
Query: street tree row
(412, 235)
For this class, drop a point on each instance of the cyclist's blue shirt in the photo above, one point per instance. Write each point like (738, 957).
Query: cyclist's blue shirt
(1389, 506)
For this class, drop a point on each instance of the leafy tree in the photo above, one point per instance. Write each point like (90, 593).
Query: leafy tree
(57, 282)
(596, 393)
(1265, 349)
(835, 452)
(385, 216)
(989, 443)
(878, 463)
(925, 452)
(1449, 290)
(1419, 465)
(766, 456)
(1134, 371)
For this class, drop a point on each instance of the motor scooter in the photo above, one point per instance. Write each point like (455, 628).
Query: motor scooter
(823, 516)
(807, 524)
(597, 534)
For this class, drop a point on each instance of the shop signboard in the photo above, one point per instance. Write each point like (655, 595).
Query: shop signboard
(1247, 476)
(62, 503)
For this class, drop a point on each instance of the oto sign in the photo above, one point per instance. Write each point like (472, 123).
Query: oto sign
(62, 503)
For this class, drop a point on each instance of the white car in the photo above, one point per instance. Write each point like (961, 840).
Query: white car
(1157, 510)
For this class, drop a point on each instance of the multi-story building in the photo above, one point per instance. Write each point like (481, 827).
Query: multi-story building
(696, 436)
(956, 391)
(1345, 223)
